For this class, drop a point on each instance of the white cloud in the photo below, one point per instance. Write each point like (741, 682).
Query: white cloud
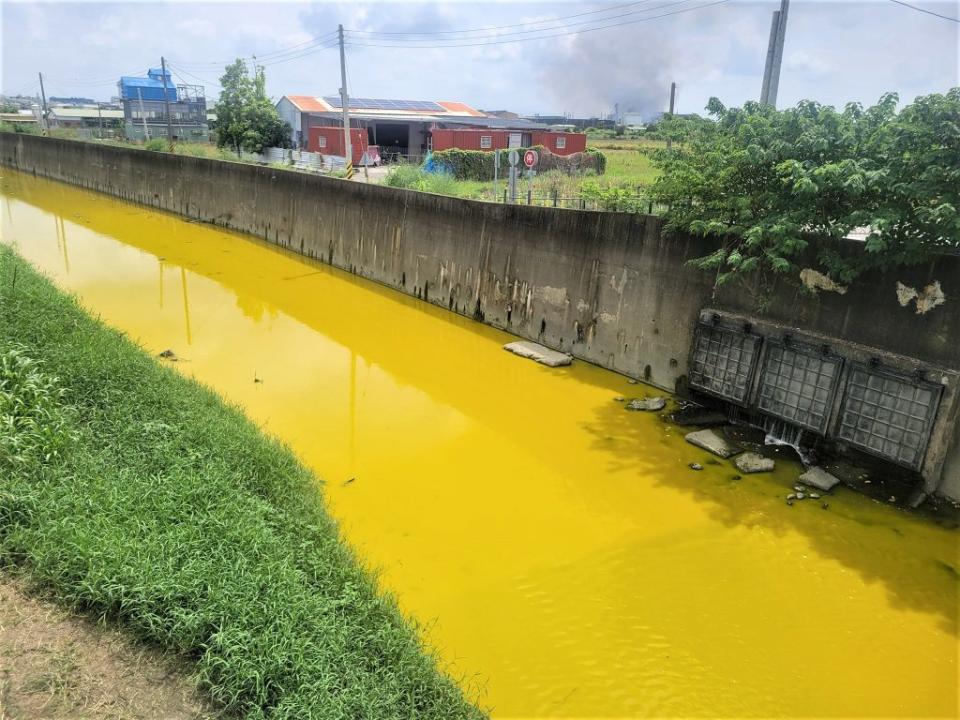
(835, 51)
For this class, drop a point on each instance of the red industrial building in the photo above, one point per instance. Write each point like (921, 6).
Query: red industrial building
(329, 141)
(557, 142)
(410, 129)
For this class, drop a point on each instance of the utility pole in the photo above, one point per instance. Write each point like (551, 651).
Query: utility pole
(345, 103)
(166, 101)
(143, 116)
(673, 99)
(771, 47)
(771, 75)
(43, 107)
(100, 120)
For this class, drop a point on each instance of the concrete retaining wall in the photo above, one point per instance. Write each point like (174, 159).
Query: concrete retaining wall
(609, 288)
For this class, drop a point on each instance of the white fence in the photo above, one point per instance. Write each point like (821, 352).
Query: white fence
(299, 159)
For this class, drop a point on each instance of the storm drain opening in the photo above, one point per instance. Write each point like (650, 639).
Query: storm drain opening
(798, 383)
(723, 361)
(889, 414)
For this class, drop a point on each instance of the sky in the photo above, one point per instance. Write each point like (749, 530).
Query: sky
(835, 51)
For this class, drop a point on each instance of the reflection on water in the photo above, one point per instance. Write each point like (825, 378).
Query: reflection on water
(562, 556)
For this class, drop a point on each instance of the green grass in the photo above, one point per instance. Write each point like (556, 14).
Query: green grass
(138, 496)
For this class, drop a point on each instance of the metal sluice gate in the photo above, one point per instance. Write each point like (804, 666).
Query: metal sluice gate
(879, 410)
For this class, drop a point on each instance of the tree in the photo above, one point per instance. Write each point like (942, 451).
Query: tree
(246, 118)
(766, 184)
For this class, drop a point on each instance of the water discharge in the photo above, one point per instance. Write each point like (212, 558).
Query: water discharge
(562, 557)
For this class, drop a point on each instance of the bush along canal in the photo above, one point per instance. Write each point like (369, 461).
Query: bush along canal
(558, 551)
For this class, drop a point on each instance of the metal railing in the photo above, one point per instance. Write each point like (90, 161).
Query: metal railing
(637, 203)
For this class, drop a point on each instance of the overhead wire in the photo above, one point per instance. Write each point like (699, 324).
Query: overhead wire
(504, 27)
(272, 54)
(924, 10)
(504, 36)
(578, 31)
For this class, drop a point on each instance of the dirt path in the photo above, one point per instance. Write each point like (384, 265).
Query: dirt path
(56, 665)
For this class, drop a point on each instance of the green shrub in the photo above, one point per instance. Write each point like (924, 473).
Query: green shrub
(619, 197)
(411, 177)
(478, 164)
(34, 428)
(25, 128)
(156, 144)
(404, 176)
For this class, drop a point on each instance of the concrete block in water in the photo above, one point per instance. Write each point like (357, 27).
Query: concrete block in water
(819, 478)
(535, 351)
(753, 463)
(713, 442)
(649, 404)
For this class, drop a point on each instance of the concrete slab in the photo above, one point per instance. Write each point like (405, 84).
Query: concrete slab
(649, 404)
(713, 442)
(753, 463)
(535, 351)
(819, 478)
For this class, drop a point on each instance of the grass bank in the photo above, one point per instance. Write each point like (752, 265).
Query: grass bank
(138, 496)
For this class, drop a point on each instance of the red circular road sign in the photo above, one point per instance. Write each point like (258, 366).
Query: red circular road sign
(530, 158)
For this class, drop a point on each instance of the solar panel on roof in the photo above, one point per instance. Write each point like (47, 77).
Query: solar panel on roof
(359, 103)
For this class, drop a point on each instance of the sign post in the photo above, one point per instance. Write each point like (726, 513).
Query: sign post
(514, 158)
(530, 158)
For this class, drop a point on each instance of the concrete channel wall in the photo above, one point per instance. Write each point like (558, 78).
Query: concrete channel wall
(610, 288)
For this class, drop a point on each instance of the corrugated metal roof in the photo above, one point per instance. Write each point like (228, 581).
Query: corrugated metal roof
(406, 109)
(459, 107)
(85, 113)
(308, 103)
(491, 122)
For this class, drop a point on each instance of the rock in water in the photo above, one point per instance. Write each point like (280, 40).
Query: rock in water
(535, 351)
(819, 478)
(696, 466)
(649, 404)
(753, 463)
(696, 415)
(712, 442)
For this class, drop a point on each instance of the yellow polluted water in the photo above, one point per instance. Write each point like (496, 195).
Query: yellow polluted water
(563, 559)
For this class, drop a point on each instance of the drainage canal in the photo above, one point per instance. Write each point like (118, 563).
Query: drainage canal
(561, 556)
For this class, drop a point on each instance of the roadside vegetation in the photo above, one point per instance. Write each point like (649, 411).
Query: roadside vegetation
(605, 179)
(136, 496)
(17, 127)
(767, 184)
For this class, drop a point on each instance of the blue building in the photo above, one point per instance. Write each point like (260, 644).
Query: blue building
(147, 88)
(145, 101)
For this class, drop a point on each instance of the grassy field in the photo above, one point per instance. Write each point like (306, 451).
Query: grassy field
(137, 496)
(629, 170)
(626, 160)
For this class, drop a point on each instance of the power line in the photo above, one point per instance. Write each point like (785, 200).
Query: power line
(541, 30)
(928, 12)
(92, 82)
(181, 67)
(273, 54)
(504, 27)
(546, 37)
(180, 71)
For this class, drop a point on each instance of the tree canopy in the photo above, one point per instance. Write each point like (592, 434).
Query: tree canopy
(767, 183)
(246, 118)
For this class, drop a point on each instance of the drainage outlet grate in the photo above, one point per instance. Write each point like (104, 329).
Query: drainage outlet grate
(722, 362)
(889, 414)
(798, 384)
